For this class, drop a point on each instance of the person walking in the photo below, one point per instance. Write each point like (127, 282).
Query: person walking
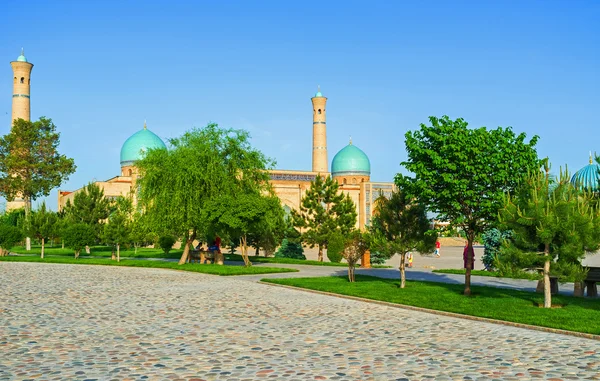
(438, 246)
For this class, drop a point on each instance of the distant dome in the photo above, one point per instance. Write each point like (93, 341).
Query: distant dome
(351, 160)
(22, 58)
(139, 143)
(587, 177)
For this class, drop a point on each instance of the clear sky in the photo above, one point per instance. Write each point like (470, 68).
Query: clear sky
(102, 67)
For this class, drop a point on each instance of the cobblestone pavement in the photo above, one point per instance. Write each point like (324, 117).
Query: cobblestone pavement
(61, 322)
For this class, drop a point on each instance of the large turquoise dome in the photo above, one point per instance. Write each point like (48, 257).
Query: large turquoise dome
(587, 177)
(351, 160)
(134, 148)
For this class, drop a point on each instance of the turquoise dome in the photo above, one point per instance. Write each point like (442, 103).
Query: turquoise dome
(351, 160)
(134, 148)
(22, 58)
(587, 177)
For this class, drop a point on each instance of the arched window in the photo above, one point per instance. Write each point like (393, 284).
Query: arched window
(29, 81)
(344, 181)
(22, 79)
(130, 172)
(362, 181)
(354, 180)
(15, 79)
(319, 111)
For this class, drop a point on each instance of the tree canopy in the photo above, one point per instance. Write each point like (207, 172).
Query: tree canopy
(462, 174)
(30, 164)
(324, 210)
(201, 165)
(89, 207)
(41, 224)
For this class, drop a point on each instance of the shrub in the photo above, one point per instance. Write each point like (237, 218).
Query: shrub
(492, 240)
(78, 236)
(166, 243)
(9, 237)
(335, 247)
(377, 258)
(290, 250)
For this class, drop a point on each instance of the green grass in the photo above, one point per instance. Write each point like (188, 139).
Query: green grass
(206, 269)
(576, 314)
(99, 251)
(495, 274)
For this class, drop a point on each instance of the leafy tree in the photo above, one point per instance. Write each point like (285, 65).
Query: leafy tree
(202, 165)
(13, 218)
(242, 215)
(30, 165)
(357, 244)
(140, 233)
(558, 222)
(42, 224)
(118, 228)
(9, 237)
(89, 207)
(289, 249)
(399, 226)
(77, 236)
(462, 174)
(267, 234)
(166, 243)
(323, 210)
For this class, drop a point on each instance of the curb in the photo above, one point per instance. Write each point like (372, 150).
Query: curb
(443, 313)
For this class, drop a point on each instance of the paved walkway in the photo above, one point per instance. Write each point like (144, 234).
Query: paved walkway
(62, 322)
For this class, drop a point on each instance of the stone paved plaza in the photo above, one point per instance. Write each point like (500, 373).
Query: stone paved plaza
(61, 322)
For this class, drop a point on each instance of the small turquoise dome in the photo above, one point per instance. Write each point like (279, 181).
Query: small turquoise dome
(351, 160)
(587, 177)
(21, 58)
(318, 95)
(134, 148)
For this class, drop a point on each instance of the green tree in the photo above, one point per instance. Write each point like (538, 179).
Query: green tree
(117, 230)
(9, 237)
(462, 174)
(42, 224)
(30, 165)
(399, 226)
(242, 215)
(356, 245)
(557, 222)
(77, 236)
(202, 165)
(323, 210)
(89, 207)
(289, 249)
(335, 247)
(141, 234)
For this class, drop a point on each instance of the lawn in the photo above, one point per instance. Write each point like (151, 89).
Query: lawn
(495, 274)
(575, 314)
(290, 261)
(206, 269)
(99, 251)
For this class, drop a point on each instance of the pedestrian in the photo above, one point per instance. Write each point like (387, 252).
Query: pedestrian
(410, 259)
(438, 246)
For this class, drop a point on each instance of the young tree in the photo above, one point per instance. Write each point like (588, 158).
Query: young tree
(202, 165)
(77, 236)
(118, 229)
(9, 237)
(140, 231)
(242, 215)
(462, 174)
(42, 224)
(357, 243)
(559, 220)
(400, 226)
(90, 207)
(30, 165)
(323, 210)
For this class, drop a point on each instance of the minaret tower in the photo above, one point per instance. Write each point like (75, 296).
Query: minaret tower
(20, 105)
(21, 84)
(319, 154)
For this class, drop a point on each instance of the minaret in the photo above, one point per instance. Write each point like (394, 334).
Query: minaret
(319, 154)
(21, 84)
(20, 106)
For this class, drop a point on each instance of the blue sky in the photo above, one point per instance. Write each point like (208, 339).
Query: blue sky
(101, 68)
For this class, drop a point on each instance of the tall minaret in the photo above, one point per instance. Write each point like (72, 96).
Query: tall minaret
(20, 105)
(21, 83)
(319, 154)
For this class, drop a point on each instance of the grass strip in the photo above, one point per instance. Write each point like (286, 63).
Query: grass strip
(199, 268)
(291, 261)
(572, 314)
(494, 274)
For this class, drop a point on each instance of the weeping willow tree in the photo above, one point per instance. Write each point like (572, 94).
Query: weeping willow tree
(205, 164)
(553, 219)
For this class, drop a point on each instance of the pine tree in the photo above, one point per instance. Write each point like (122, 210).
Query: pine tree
(323, 210)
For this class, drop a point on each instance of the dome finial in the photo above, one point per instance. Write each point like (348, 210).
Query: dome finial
(591, 160)
(145, 128)
(350, 139)
(22, 51)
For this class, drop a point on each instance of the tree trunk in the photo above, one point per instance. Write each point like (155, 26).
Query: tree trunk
(42, 255)
(402, 267)
(470, 253)
(186, 249)
(27, 200)
(76, 254)
(87, 249)
(547, 291)
(135, 248)
(63, 244)
(350, 272)
(113, 257)
(578, 289)
(244, 245)
(320, 258)
(28, 244)
(257, 253)
(118, 253)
